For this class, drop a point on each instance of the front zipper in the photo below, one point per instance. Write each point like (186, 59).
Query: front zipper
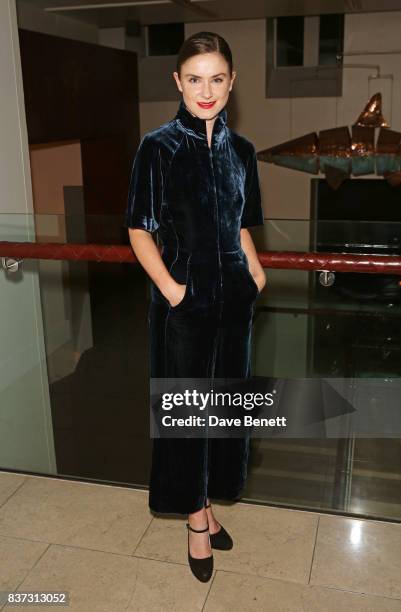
(218, 227)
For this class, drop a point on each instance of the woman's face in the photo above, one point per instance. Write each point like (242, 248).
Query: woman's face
(205, 78)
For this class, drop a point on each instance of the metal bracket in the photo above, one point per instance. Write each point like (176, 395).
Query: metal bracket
(326, 278)
(9, 264)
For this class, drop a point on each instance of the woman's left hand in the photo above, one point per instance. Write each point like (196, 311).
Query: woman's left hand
(260, 280)
(255, 268)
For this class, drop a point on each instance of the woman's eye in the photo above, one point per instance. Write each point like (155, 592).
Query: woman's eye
(195, 80)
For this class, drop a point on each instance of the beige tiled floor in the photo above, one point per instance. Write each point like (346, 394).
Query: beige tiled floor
(103, 546)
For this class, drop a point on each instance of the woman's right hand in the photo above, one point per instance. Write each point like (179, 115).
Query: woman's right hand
(149, 257)
(175, 293)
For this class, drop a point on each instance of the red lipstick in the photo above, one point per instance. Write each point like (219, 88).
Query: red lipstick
(207, 104)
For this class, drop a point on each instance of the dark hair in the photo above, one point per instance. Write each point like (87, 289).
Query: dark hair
(204, 42)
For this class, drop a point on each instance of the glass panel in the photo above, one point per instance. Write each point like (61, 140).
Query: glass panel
(74, 394)
(331, 38)
(290, 41)
(303, 329)
(74, 356)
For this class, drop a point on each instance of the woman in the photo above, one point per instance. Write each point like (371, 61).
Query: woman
(195, 181)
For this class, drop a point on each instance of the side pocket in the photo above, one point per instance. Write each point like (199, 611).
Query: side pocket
(187, 285)
(249, 273)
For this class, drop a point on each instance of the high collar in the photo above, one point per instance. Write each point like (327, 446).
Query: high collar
(198, 125)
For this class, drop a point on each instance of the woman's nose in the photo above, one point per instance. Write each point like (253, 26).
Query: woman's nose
(206, 90)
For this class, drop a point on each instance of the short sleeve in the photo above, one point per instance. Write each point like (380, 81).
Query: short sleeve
(145, 188)
(252, 213)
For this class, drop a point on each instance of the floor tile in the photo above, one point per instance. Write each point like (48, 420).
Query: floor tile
(76, 513)
(270, 542)
(106, 582)
(9, 483)
(17, 557)
(238, 593)
(358, 555)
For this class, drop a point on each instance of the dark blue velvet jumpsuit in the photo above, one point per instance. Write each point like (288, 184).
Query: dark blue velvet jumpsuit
(198, 198)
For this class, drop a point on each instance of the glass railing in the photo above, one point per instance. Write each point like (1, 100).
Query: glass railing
(74, 376)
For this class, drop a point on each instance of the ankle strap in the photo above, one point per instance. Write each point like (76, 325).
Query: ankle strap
(197, 530)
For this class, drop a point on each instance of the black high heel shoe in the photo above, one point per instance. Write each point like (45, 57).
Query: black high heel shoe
(221, 540)
(202, 568)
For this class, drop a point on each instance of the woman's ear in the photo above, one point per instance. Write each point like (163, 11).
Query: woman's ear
(234, 74)
(177, 80)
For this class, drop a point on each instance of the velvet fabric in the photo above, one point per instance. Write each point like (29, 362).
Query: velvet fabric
(198, 198)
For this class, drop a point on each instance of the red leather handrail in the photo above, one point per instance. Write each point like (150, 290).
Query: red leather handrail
(289, 260)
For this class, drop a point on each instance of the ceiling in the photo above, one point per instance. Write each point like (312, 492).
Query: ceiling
(116, 13)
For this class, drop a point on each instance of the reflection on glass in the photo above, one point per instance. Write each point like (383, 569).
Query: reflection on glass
(331, 39)
(290, 41)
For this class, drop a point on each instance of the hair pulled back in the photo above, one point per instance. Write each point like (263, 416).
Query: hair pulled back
(204, 42)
